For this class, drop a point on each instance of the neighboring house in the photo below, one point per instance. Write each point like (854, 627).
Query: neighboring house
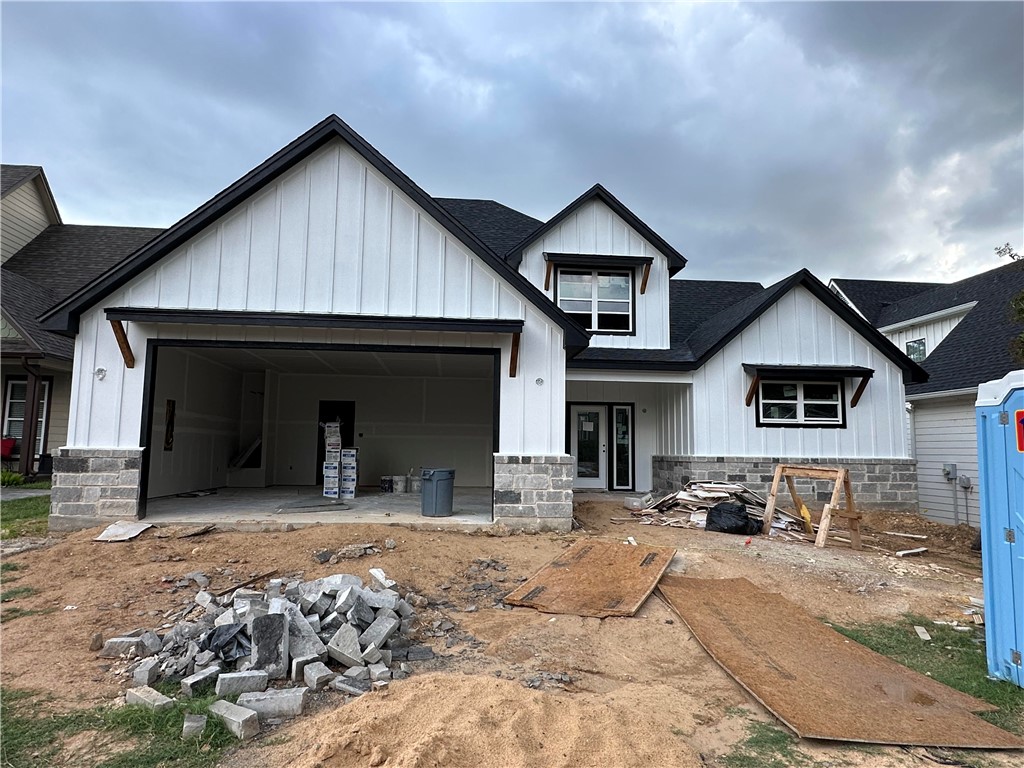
(961, 332)
(44, 262)
(533, 357)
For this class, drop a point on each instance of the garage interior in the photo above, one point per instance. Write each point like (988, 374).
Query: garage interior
(245, 422)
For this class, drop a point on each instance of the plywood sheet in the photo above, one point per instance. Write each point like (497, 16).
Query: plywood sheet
(595, 578)
(819, 683)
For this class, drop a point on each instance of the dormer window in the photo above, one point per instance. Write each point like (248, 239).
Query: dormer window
(601, 300)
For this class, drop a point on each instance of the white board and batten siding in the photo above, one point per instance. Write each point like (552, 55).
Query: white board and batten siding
(22, 217)
(933, 332)
(596, 229)
(945, 432)
(330, 236)
(797, 330)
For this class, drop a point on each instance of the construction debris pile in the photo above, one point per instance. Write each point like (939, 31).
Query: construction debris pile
(330, 632)
(689, 507)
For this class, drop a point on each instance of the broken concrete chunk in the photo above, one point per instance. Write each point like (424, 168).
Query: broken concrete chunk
(371, 654)
(386, 598)
(317, 675)
(419, 653)
(243, 723)
(324, 605)
(96, 641)
(204, 658)
(118, 646)
(379, 631)
(360, 613)
(269, 636)
(230, 683)
(336, 583)
(379, 672)
(346, 599)
(314, 622)
(150, 643)
(227, 617)
(344, 647)
(357, 673)
(193, 727)
(330, 623)
(403, 609)
(379, 577)
(278, 702)
(147, 697)
(204, 598)
(200, 682)
(299, 664)
(147, 672)
(348, 686)
(302, 640)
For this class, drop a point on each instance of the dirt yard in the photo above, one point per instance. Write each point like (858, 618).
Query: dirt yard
(507, 687)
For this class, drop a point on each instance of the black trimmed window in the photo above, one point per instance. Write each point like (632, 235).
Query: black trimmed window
(801, 403)
(15, 394)
(917, 350)
(601, 300)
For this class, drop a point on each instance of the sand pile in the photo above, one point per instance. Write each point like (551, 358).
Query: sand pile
(471, 721)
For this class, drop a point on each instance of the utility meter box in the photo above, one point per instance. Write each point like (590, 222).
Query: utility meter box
(1000, 418)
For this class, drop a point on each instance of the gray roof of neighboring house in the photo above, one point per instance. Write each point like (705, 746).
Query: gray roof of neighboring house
(23, 302)
(65, 257)
(872, 297)
(55, 264)
(13, 176)
(978, 348)
(501, 228)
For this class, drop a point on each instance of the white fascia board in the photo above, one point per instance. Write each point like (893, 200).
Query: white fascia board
(839, 292)
(641, 377)
(946, 393)
(960, 309)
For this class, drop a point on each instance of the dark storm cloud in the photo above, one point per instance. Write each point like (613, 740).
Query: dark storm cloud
(873, 139)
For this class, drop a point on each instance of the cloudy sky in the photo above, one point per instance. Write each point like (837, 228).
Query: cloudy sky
(876, 140)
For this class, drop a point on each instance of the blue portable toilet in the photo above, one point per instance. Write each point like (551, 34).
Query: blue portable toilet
(1000, 414)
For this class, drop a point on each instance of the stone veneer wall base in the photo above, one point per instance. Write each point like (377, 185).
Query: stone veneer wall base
(94, 486)
(533, 492)
(877, 484)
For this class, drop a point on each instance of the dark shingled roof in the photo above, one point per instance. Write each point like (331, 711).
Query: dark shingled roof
(691, 303)
(872, 297)
(978, 348)
(13, 176)
(23, 302)
(501, 228)
(65, 257)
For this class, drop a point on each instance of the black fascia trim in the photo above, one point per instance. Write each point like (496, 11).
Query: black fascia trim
(808, 372)
(912, 372)
(597, 260)
(631, 365)
(64, 316)
(310, 320)
(676, 260)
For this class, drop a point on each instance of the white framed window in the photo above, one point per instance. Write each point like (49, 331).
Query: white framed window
(14, 411)
(801, 403)
(917, 350)
(600, 300)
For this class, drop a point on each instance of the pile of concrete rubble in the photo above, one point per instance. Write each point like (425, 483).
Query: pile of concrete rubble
(330, 632)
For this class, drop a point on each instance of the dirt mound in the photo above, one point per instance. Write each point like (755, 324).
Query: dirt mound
(468, 721)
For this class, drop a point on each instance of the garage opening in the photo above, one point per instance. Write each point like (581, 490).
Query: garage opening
(235, 429)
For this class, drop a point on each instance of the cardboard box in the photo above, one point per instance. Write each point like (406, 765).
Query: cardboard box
(331, 468)
(331, 482)
(347, 493)
(333, 454)
(332, 493)
(351, 453)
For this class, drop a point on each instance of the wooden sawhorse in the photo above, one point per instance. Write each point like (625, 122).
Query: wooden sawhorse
(842, 485)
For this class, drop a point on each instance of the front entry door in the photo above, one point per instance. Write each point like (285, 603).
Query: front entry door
(589, 444)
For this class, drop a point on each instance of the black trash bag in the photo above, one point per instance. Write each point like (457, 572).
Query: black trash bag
(727, 517)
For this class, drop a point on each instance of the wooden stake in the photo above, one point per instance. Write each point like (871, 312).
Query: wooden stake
(122, 343)
(769, 510)
(826, 513)
(851, 514)
(800, 507)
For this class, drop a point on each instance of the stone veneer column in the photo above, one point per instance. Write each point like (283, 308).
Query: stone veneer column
(882, 483)
(533, 492)
(94, 486)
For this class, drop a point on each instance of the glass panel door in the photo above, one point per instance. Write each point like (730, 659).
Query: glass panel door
(622, 426)
(588, 444)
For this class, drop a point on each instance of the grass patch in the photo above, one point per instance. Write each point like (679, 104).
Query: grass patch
(13, 612)
(38, 485)
(766, 747)
(24, 517)
(954, 658)
(33, 737)
(15, 592)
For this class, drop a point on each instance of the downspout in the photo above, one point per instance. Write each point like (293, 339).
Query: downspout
(31, 421)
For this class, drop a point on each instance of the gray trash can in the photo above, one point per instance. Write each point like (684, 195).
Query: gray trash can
(438, 486)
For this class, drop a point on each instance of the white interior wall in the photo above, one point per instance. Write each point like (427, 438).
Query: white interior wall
(401, 423)
(206, 423)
